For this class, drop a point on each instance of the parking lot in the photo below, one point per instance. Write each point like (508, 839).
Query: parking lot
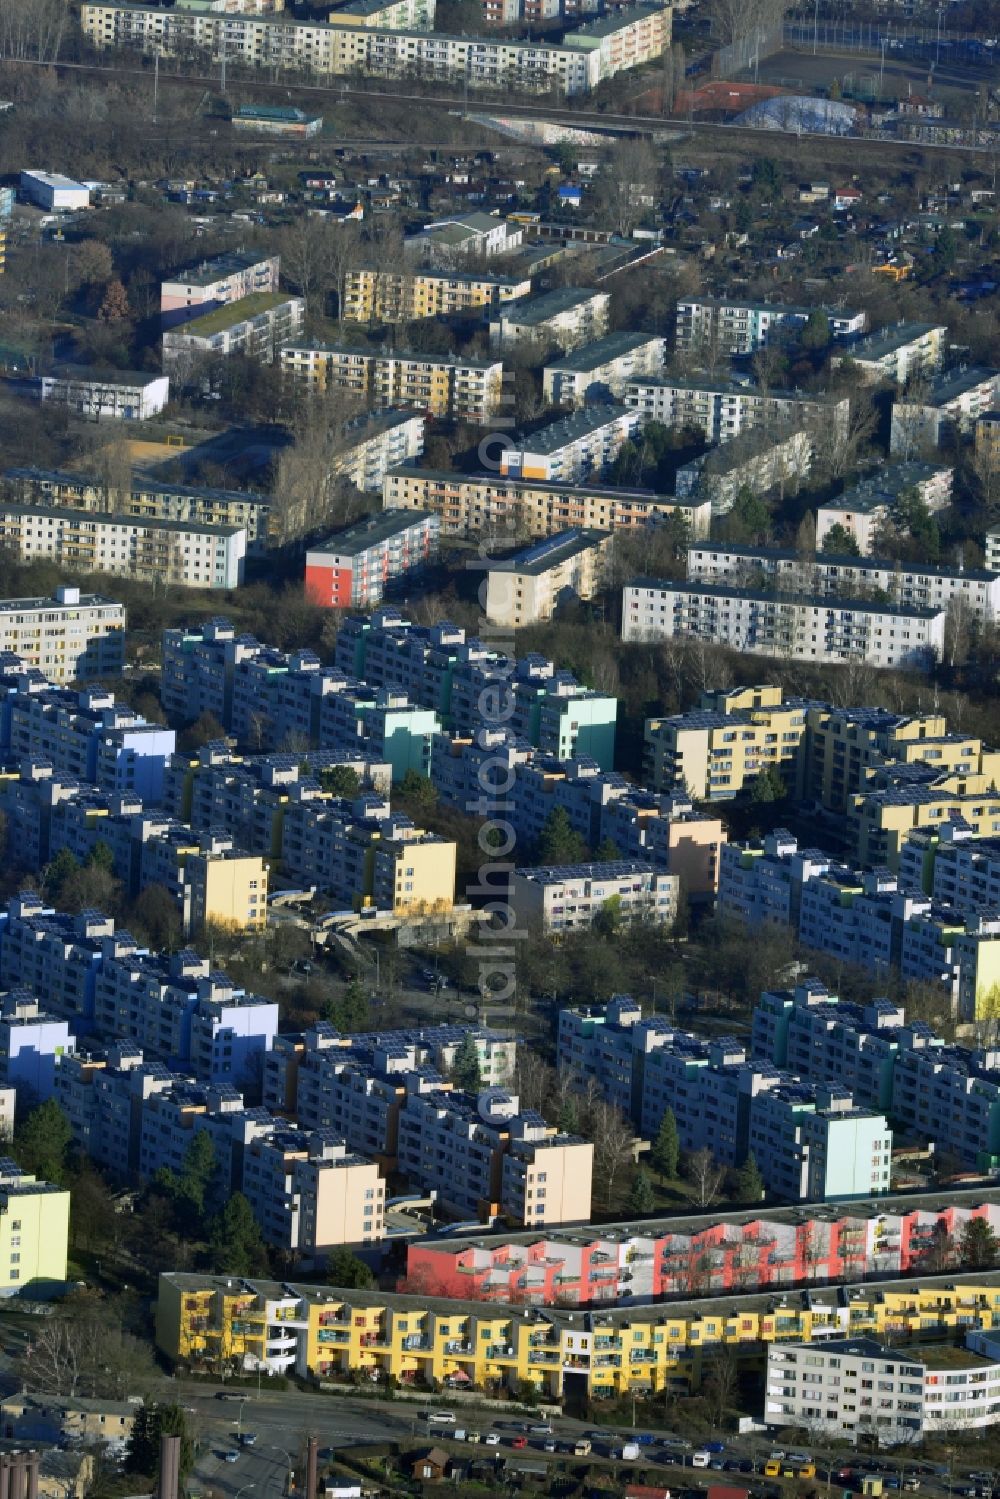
(801, 69)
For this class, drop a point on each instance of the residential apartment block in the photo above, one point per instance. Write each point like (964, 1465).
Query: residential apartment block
(598, 371)
(904, 352)
(946, 413)
(858, 1385)
(758, 460)
(529, 586)
(721, 411)
(309, 1193)
(373, 295)
(187, 553)
(149, 499)
(585, 442)
(443, 385)
(824, 627)
(353, 568)
(976, 591)
(66, 637)
(34, 1233)
(864, 508)
(216, 283)
(255, 326)
(623, 1264)
(571, 897)
(715, 750)
(203, 1320)
(569, 316)
(734, 327)
(32, 1041)
(373, 444)
(106, 395)
(470, 504)
(953, 865)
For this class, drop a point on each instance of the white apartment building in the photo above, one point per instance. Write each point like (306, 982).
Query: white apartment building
(376, 443)
(447, 242)
(864, 508)
(722, 410)
(529, 586)
(954, 865)
(163, 551)
(106, 395)
(66, 637)
(255, 326)
(570, 450)
(814, 1143)
(859, 1388)
(569, 316)
(947, 412)
(757, 460)
(216, 283)
(800, 626)
(441, 384)
(899, 354)
(599, 370)
(906, 583)
(569, 897)
(735, 327)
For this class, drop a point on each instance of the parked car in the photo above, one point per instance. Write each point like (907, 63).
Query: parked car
(232, 1456)
(714, 1446)
(519, 1443)
(550, 1445)
(247, 1438)
(493, 1439)
(701, 1459)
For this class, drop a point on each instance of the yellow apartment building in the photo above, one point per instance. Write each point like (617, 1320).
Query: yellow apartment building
(474, 504)
(372, 295)
(716, 750)
(880, 820)
(849, 746)
(442, 384)
(412, 876)
(34, 1231)
(324, 1333)
(229, 890)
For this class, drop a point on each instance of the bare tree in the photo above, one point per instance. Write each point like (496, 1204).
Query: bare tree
(629, 179)
(613, 1139)
(704, 1175)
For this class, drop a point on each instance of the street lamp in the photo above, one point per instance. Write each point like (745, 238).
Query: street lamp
(289, 1465)
(251, 1485)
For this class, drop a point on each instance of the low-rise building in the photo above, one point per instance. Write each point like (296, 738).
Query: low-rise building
(947, 412)
(569, 450)
(106, 395)
(66, 637)
(899, 354)
(441, 384)
(732, 326)
(569, 316)
(255, 326)
(476, 504)
(219, 282)
(797, 625)
(722, 410)
(598, 371)
(353, 568)
(185, 553)
(447, 242)
(53, 192)
(528, 587)
(282, 120)
(570, 897)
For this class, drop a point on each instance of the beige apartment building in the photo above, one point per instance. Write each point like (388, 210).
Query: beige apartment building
(570, 897)
(309, 1193)
(441, 384)
(569, 316)
(226, 889)
(716, 750)
(372, 295)
(527, 588)
(68, 636)
(478, 504)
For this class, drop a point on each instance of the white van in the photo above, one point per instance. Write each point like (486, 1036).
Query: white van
(439, 1418)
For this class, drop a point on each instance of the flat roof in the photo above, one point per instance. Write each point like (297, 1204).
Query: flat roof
(207, 272)
(947, 387)
(116, 518)
(556, 486)
(140, 485)
(370, 532)
(754, 305)
(52, 179)
(824, 559)
(889, 340)
(532, 310)
(820, 601)
(611, 346)
(231, 314)
(88, 374)
(732, 388)
(85, 601)
(572, 427)
(406, 356)
(544, 555)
